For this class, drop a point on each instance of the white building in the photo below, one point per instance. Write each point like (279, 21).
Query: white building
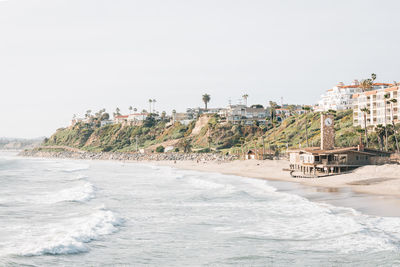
(247, 115)
(106, 122)
(379, 112)
(340, 96)
(136, 118)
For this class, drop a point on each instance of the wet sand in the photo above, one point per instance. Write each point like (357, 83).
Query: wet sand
(373, 190)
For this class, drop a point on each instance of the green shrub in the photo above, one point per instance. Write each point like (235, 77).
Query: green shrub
(160, 149)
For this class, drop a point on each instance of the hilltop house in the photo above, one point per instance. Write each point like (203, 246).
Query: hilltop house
(183, 117)
(121, 119)
(378, 112)
(282, 113)
(106, 122)
(248, 115)
(136, 119)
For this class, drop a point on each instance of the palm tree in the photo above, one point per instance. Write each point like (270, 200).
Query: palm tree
(173, 115)
(386, 97)
(366, 84)
(150, 101)
(88, 113)
(154, 105)
(245, 96)
(365, 111)
(206, 99)
(130, 109)
(135, 110)
(380, 132)
(273, 107)
(394, 101)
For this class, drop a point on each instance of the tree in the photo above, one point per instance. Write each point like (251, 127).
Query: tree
(154, 105)
(366, 84)
(135, 109)
(292, 109)
(163, 115)
(130, 109)
(105, 116)
(206, 100)
(209, 140)
(117, 112)
(273, 107)
(385, 98)
(394, 101)
(150, 101)
(160, 149)
(306, 109)
(88, 113)
(365, 112)
(186, 146)
(380, 132)
(245, 96)
(173, 115)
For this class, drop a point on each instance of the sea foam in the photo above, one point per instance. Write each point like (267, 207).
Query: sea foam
(69, 237)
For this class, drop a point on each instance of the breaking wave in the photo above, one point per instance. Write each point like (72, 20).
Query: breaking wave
(71, 236)
(81, 193)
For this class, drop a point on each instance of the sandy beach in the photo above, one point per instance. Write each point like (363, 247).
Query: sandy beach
(378, 180)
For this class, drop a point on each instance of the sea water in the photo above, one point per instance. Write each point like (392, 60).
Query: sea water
(100, 213)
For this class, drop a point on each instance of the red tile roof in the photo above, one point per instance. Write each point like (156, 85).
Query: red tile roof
(391, 89)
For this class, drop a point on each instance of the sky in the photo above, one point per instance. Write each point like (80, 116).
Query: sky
(63, 57)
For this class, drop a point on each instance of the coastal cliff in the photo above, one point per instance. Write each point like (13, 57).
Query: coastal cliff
(208, 134)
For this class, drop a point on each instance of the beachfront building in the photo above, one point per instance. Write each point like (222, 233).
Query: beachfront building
(327, 159)
(237, 114)
(380, 109)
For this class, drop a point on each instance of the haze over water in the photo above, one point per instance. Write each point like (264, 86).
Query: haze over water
(92, 213)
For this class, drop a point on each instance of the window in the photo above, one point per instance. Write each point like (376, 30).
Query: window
(356, 157)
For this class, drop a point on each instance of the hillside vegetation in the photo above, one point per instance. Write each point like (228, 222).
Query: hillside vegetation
(209, 134)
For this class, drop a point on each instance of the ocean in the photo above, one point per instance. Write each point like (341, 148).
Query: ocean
(57, 212)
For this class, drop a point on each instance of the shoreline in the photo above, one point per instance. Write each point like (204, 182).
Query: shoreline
(377, 185)
(371, 179)
(363, 197)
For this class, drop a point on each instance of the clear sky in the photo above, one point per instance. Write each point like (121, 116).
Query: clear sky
(60, 57)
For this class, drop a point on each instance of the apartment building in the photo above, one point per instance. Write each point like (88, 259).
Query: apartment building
(340, 96)
(381, 109)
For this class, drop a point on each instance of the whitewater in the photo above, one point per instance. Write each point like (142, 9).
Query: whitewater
(57, 212)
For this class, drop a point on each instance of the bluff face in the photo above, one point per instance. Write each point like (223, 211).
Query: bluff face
(205, 134)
